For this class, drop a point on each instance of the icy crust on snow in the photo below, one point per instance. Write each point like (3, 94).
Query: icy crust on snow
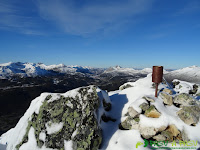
(86, 99)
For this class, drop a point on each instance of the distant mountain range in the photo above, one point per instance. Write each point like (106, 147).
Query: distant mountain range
(8, 70)
(190, 74)
(39, 69)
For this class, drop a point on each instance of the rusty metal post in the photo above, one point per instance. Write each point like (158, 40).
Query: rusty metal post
(157, 77)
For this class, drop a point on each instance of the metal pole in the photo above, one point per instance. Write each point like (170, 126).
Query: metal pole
(156, 92)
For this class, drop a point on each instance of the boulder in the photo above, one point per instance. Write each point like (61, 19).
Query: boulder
(167, 99)
(152, 112)
(173, 129)
(184, 99)
(132, 112)
(70, 117)
(159, 137)
(147, 132)
(168, 91)
(144, 106)
(125, 86)
(148, 99)
(189, 114)
(130, 123)
(168, 135)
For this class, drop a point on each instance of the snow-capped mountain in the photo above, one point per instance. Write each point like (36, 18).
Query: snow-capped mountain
(115, 71)
(40, 69)
(21, 69)
(190, 74)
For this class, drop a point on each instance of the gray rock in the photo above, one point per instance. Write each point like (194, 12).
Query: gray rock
(130, 123)
(79, 121)
(159, 137)
(168, 135)
(144, 106)
(147, 132)
(189, 114)
(148, 99)
(184, 99)
(132, 112)
(125, 86)
(168, 91)
(167, 99)
(152, 112)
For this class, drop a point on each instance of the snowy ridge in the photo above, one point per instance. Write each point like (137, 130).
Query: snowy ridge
(40, 69)
(121, 100)
(190, 74)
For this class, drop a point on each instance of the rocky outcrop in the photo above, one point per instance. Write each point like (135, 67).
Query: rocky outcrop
(152, 112)
(184, 99)
(125, 86)
(167, 99)
(73, 117)
(168, 91)
(132, 112)
(189, 114)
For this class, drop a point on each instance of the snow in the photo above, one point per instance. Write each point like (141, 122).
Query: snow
(53, 127)
(190, 74)
(68, 145)
(137, 103)
(184, 87)
(113, 137)
(42, 136)
(123, 139)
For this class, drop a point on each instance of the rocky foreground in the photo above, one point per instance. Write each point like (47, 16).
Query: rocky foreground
(130, 118)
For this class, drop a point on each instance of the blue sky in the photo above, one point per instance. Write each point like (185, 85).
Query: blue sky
(101, 33)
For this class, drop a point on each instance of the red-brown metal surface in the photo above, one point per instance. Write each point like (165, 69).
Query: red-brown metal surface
(157, 74)
(157, 77)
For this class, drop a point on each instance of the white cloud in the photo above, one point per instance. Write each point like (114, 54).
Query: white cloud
(91, 17)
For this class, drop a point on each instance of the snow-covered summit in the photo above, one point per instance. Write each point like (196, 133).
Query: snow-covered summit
(40, 69)
(190, 74)
(21, 69)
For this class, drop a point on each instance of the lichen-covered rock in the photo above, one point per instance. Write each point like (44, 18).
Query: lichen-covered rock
(159, 137)
(148, 99)
(168, 91)
(132, 112)
(144, 106)
(130, 123)
(147, 132)
(167, 99)
(168, 135)
(194, 89)
(125, 86)
(184, 99)
(68, 118)
(152, 112)
(173, 129)
(189, 114)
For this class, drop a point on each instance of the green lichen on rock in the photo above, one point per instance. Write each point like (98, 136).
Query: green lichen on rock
(125, 86)
(75, 113)
(189, 114)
